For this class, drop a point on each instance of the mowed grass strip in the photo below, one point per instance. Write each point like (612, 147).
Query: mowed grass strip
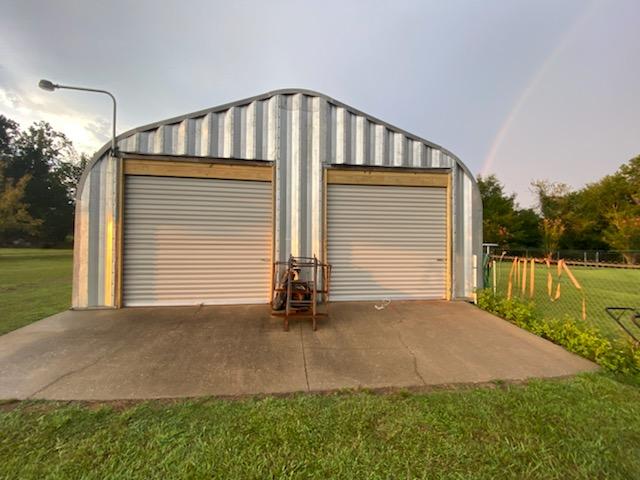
(585, 427)
(602, 287)
(34, 283)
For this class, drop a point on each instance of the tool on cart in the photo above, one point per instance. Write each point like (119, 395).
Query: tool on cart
(300, 285)
(617, 313)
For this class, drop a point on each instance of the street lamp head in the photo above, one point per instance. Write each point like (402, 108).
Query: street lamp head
(47, 85)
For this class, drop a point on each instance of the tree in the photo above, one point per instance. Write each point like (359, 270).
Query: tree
(498, 211)
(15, 221)
(553, 205)
(504, 222)
(552, 230)
(69, 174)
(8, 133)
(621, 204)
(526, 231)
(43, 155)
(602, 215)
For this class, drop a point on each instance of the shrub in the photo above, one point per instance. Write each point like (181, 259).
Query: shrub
(616, 356)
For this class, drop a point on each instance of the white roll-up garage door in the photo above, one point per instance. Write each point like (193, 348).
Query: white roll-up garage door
(194, 241)
(387, 242)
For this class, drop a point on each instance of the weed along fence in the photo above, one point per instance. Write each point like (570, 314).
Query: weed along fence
(569, 287)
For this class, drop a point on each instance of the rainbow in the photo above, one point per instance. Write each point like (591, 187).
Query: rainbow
(530, 87)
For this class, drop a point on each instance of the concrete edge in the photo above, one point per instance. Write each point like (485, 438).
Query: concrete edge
(9, 404)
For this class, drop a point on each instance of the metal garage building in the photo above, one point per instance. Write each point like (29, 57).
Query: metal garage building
(194, 209)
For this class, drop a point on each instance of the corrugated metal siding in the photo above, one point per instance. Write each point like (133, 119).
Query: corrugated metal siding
(196, 241)
(387, 242)
(95, 236)
(303, 133)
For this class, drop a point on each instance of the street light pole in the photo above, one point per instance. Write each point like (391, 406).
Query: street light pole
(50, 87)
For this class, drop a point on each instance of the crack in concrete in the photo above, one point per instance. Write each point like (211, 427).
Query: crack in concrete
(411, 352)
(100, 358)
(105, 355)
(77, 370)
(413, 356)
(304, 358)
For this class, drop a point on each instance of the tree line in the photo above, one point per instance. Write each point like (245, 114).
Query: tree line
(39, 171)
(604, 215)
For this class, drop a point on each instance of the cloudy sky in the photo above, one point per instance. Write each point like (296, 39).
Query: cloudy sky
(524, 89)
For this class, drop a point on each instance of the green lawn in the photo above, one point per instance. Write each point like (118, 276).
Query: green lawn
(34, 283)
(586, 427)
(603, 287)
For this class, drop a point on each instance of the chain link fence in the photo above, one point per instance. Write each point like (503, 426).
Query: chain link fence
(578, 285)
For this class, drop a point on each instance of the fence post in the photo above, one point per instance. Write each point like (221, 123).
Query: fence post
(585, 258)
(597, 256)
(494, 277)
(474, 267)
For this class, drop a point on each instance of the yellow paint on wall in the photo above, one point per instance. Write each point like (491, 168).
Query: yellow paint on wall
(108, 263)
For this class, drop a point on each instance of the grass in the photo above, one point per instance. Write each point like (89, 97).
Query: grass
(34, 283)
(603, 287)
(585, 427)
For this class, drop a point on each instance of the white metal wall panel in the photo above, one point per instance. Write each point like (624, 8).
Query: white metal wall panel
(387, 242)
(301, 132)
(194, 241)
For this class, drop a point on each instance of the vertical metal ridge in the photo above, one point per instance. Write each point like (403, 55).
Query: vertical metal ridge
(261, 130)
(273, 146)
(351, 138)
(418, 154)
(341, 136)
(389, 147)
(294, 148)
(205, 135)
(237, 133)
(79, 296)
(273, 128)
(143, 142)
(408, 155)
(306, 172)
(158, 140)
(190, 140)
(229, 123)
(93, 254)
(197, 140)
(108, 290)
(175, 138)
(435, 158)
(318, 157)
(180, 143)
(249, 138)
(380, 145)
(399, 149)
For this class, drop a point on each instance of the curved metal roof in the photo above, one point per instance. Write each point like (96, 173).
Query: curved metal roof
(265, 96)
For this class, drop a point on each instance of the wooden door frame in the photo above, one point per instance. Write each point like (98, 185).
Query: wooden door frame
(208, 168)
